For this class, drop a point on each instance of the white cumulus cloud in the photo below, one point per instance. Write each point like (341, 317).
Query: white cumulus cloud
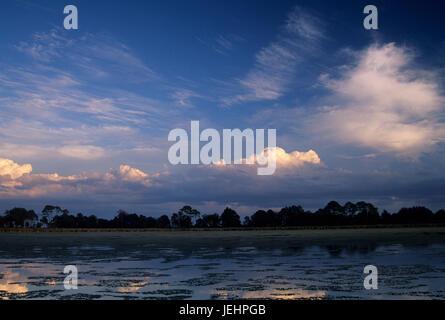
(18, 181)
(12, 169)
(284, 160)
(295, 158)
(385, 103)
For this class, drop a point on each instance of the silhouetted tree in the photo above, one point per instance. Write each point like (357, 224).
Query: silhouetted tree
(163, 222)
(440, 216)
(247, 222)
(350, 209)
(229, 218)
(415, 215)
(263, 218)
(332, 214)
(200, 223)
(103, 223)
(386, 217)
(146, 222)
(18, 216)
(189, 211)
(212, 220)
(64, 220)
(180, 220)
(92, 222)
(294, 216)
(366, 213)
(49, 212)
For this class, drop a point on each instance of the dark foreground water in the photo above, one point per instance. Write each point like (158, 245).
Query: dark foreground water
(321, 264)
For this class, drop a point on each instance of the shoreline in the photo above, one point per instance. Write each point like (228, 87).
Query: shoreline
(244, 229)
(21, 244)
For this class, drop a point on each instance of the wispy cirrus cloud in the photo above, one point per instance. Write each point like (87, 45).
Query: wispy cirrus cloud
(86, 152)
(183, 97)
(68, 101)
(90, 51)
(222, 44)
(275, 64)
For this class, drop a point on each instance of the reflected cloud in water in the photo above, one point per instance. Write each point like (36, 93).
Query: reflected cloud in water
(12, 282)
(220, 266)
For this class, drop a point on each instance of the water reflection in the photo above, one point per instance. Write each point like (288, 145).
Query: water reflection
(221, 266)
(12, 283)
(285, 294)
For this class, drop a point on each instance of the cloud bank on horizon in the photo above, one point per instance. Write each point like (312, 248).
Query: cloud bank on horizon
(359, 115)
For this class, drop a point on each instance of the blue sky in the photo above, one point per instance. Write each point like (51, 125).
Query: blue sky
(85, 113)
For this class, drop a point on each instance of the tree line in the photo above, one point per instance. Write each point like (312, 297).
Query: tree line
(333, 214)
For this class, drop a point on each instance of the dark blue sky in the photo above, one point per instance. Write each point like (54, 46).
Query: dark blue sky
(85, 114)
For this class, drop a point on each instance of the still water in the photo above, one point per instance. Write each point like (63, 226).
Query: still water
(303, 264)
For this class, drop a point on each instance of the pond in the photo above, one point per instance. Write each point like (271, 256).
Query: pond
(281, 264)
